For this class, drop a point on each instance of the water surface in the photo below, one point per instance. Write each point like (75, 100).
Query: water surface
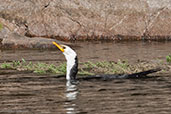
(27, 93)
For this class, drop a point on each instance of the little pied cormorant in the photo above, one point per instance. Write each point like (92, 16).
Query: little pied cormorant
(72, 67)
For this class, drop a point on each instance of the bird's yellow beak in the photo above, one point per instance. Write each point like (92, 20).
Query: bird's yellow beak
(57, 45)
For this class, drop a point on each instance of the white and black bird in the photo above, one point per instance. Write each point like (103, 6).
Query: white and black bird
(72, 61)
(72, 67)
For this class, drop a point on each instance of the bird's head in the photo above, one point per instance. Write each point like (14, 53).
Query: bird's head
(72, 61)
(67, 51)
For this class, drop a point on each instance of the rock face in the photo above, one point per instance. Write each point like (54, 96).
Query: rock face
(82, 19)
(17, 41)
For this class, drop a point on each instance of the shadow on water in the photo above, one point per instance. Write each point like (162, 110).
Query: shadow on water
(28, 93)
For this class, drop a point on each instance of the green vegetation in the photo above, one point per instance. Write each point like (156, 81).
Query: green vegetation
(108, 67)
(39, 68)
(6, 65)
(1, 26)
(86, 68)
(168, 58)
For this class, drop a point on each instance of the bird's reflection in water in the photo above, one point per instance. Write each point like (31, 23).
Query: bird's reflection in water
(71, 95)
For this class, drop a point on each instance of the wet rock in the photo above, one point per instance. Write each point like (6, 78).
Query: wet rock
(77, 19)
(16, 41)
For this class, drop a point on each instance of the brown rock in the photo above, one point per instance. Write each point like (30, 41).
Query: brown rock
(16, 41)
(78, 19)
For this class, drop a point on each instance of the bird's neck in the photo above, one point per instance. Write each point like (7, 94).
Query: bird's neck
(72, 68)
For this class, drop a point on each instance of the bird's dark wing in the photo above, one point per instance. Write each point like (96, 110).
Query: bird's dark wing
(74, 70)
(142, 74)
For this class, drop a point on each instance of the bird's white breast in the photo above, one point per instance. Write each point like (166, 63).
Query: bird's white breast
(70, 56)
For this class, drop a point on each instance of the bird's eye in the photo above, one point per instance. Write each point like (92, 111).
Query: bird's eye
(63, 47)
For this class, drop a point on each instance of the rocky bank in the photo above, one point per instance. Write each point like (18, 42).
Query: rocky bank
(35, 23)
